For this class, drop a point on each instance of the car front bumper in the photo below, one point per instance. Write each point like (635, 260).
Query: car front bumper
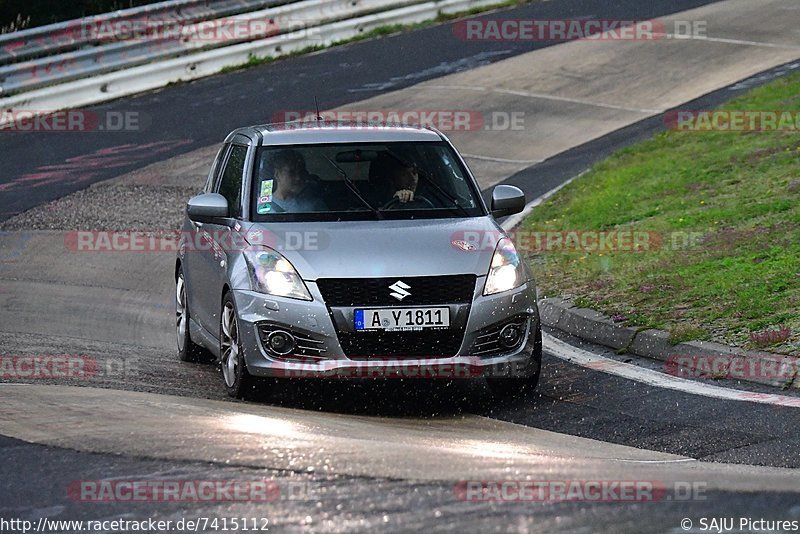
(315, 319)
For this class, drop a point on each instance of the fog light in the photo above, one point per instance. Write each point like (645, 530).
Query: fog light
(280, 342)
(510, 335)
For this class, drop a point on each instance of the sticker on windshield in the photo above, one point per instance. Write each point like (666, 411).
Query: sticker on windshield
(265, 197)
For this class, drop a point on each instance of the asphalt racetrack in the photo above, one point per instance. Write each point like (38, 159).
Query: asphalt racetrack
(361, 455)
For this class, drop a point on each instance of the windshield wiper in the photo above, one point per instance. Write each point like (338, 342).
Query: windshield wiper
(354, 189)
(424, 174)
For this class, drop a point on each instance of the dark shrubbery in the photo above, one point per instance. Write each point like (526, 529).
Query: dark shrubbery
(21, 14)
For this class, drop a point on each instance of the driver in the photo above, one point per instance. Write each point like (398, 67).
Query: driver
(404, 182)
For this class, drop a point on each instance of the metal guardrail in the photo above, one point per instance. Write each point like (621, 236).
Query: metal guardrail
(147, 44)
(112, 42)
(329, 21)
(172, 40)
(74, 34)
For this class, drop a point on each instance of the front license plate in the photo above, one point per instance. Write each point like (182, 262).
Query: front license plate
(402, 318)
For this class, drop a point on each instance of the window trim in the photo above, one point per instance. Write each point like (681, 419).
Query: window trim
(247, 181)
(216, 165)
(224, 166)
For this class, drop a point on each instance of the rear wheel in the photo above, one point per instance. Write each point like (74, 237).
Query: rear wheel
(188, 350)
(238, 381)
(506, 388)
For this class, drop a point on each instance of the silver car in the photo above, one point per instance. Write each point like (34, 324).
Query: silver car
(353, 250)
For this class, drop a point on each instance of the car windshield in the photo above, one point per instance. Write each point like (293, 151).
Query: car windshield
(361, 181)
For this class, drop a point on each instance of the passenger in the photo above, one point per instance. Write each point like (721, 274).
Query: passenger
(294, 188)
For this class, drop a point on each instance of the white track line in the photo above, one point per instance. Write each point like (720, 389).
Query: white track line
(543, 96)
(726, 41)
(565, 351)
(526, 162)
(580, 101)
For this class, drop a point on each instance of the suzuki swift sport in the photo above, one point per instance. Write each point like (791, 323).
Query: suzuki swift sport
(353, 250)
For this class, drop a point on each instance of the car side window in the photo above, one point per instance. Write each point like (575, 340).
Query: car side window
(216, 166)
(230, 185)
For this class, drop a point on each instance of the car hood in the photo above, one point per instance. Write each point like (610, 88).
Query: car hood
(374, 249)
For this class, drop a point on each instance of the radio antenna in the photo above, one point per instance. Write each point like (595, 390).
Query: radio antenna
(316, 107)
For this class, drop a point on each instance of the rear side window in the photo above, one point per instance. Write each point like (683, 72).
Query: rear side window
(230, 185)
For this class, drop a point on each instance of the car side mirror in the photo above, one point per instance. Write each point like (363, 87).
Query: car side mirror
(208, 208)
(507, 200)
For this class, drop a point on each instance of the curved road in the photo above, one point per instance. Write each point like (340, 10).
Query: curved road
(362, 455)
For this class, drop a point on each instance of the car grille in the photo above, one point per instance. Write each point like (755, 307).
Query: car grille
(487, 342)
(422, 344)
(424, 290)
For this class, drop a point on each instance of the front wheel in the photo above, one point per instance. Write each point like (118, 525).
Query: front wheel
(238, 381)
(507, 388)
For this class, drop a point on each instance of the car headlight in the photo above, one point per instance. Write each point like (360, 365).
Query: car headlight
(506, 271)
(271, 273)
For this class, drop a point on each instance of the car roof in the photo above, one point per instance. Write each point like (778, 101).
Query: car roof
(319, 132)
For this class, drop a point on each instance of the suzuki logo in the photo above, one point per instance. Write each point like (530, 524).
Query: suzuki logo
(400, 290)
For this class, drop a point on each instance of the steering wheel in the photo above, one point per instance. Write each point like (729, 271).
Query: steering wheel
(392, 204)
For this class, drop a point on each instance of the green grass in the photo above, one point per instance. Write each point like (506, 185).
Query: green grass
(254, 60)
(738, 196)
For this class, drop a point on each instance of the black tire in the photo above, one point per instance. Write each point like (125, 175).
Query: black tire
(188, 350)
(506, 388)
(237, 380)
